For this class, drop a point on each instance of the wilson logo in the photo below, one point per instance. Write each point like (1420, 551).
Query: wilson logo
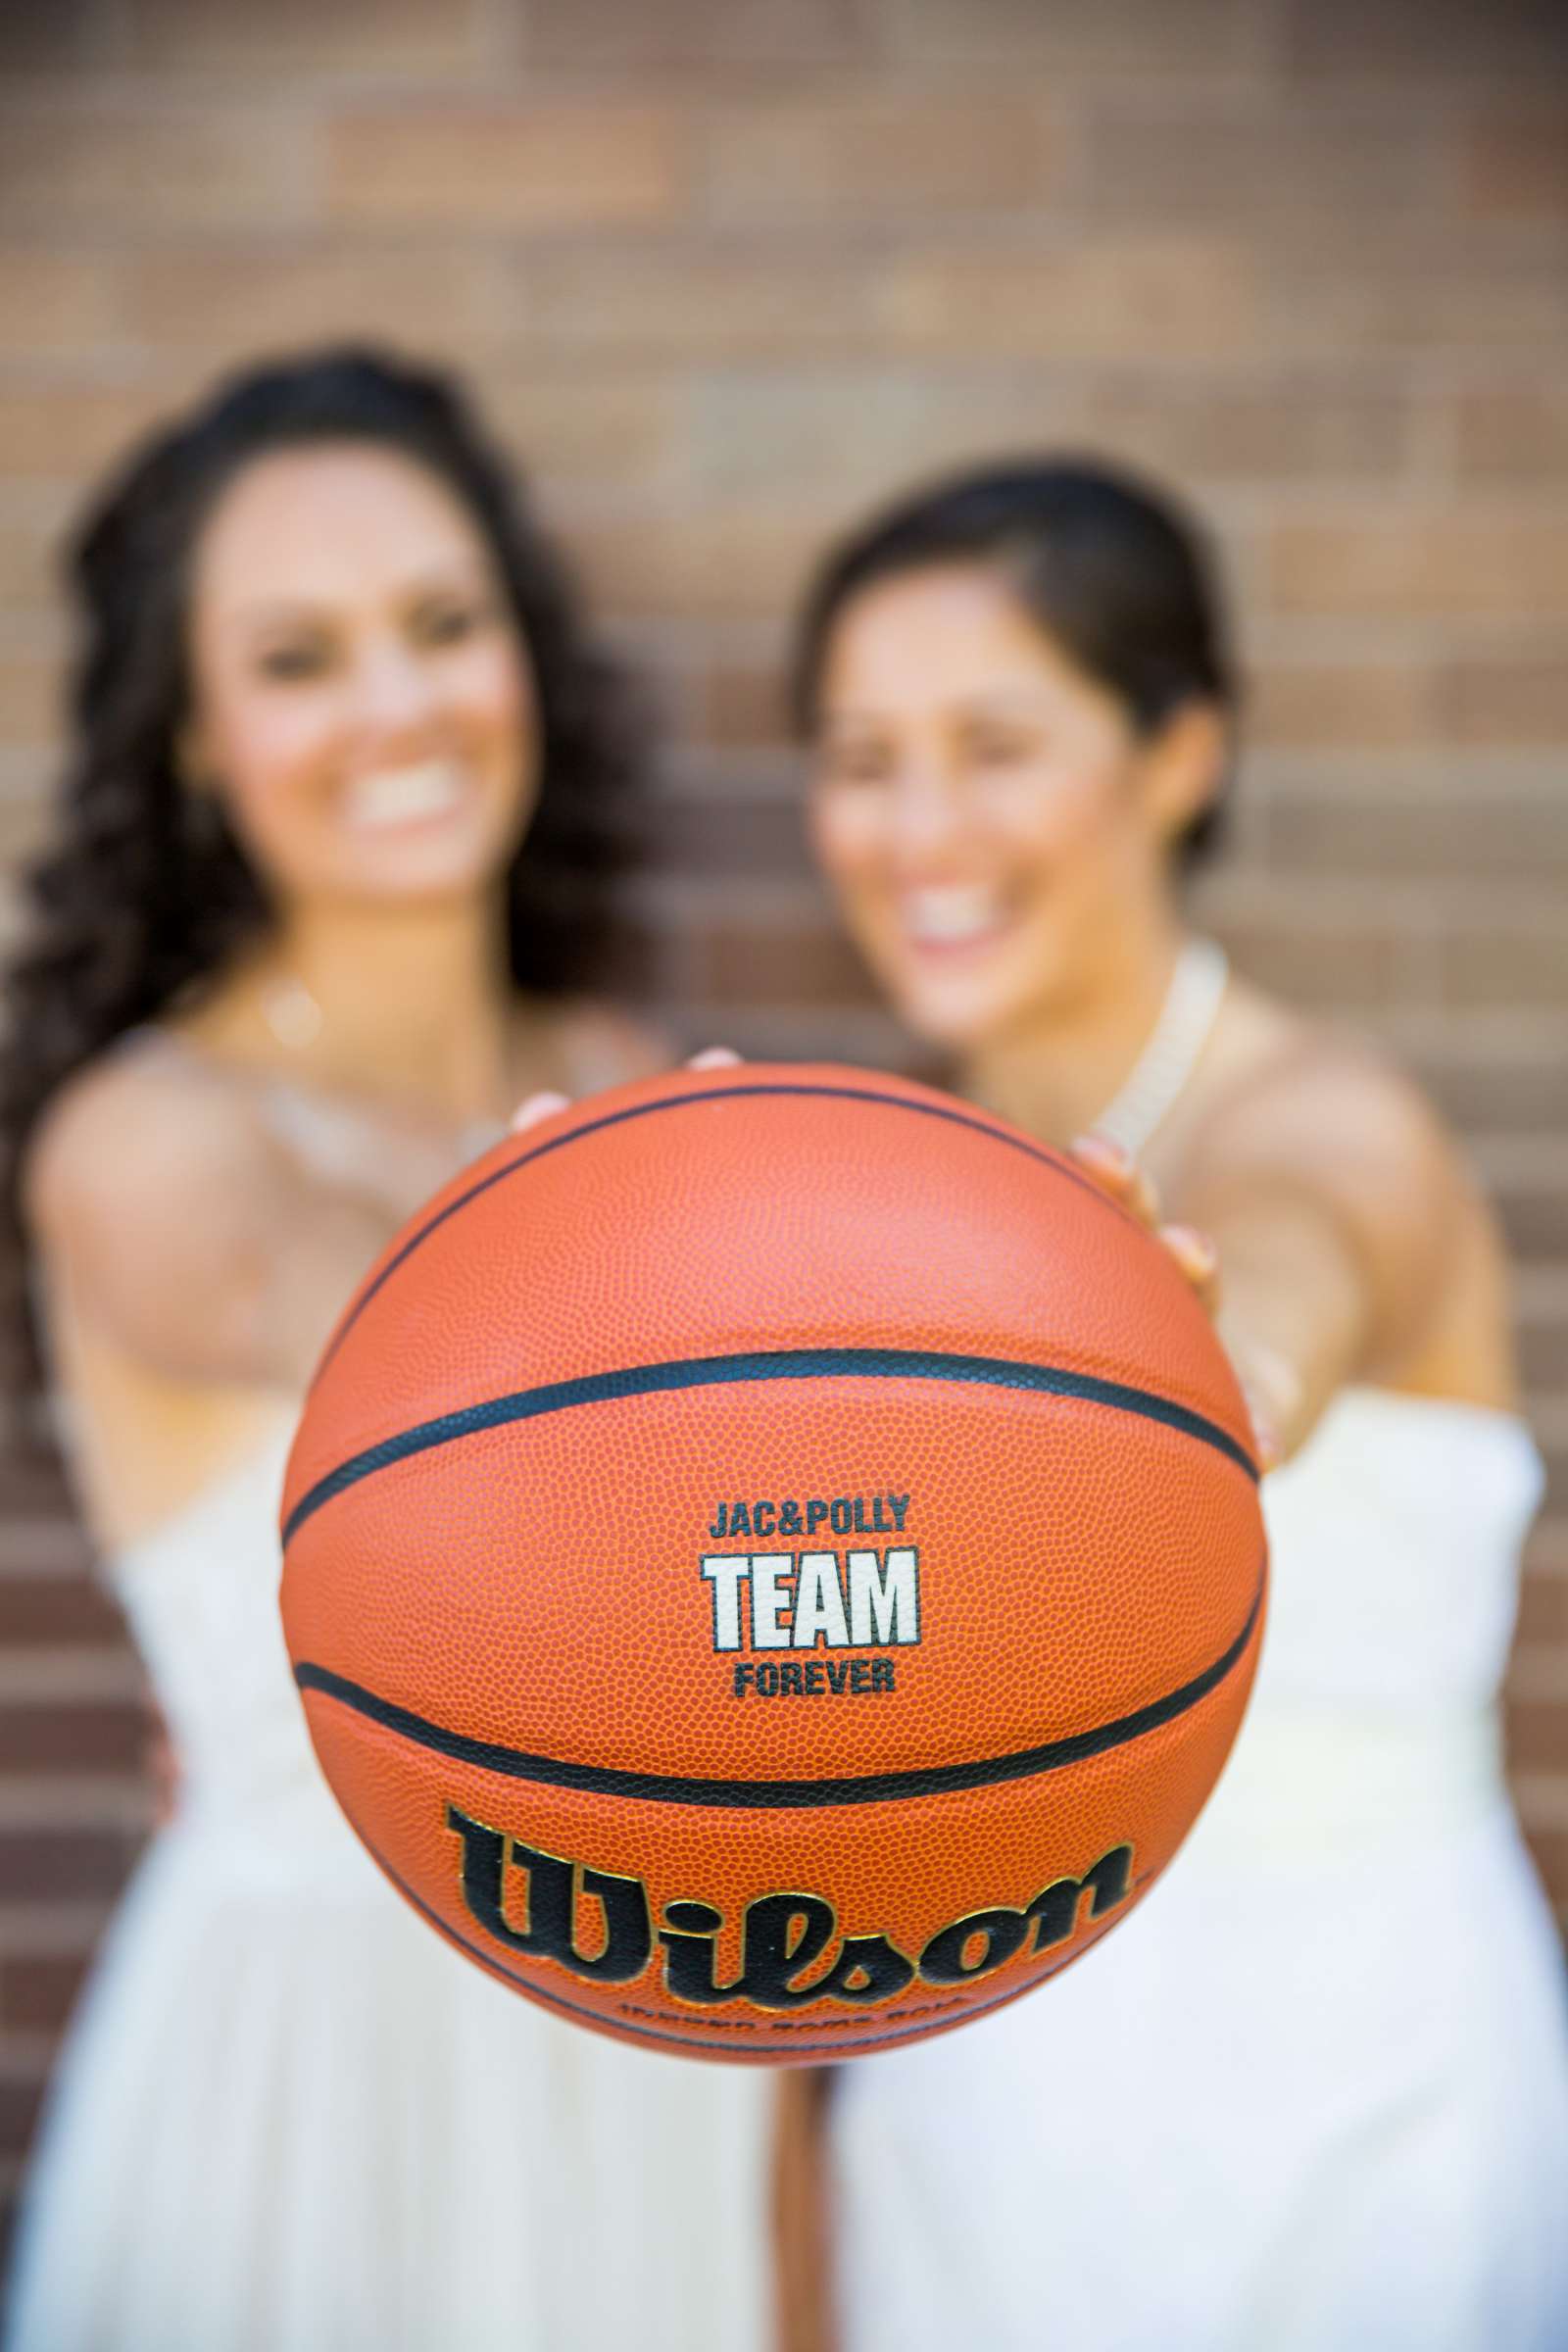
(599, 1927)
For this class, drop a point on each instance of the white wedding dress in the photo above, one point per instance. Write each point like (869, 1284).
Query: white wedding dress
(290, 2119)
(1313, 2096)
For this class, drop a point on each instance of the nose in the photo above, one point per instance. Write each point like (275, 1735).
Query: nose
(926, 814)
(394, 692)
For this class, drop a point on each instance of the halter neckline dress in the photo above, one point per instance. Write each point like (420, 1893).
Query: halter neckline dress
(1312, 2095)
(288, 2117)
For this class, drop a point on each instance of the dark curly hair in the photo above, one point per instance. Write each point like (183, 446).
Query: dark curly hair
(144, 892)
(1106, 564)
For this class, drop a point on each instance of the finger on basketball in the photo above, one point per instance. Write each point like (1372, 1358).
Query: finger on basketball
(538, 1107)
(1265, 1436)
(1116, 1172)
(714, 1057)
(1199, 1260)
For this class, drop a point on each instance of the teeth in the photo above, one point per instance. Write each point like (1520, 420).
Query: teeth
(951, 914)
(403, 796)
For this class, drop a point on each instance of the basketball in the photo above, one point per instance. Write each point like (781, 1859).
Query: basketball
(772, 1562)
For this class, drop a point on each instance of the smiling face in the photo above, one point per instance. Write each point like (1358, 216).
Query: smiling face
(986, 814)
(361, 699)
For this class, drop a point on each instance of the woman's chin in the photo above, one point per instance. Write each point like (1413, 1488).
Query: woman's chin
(961, 1018)
(409, 873)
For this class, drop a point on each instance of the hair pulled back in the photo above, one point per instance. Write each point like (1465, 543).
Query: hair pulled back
(1108, 565)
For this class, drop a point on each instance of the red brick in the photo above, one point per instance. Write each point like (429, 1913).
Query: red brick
(39, 1991)
(697, 567)
(63, 431)
(36, 1489)
(689, 35)
(731, 301)
(23, 815)
(742, 707)
(1489, 832)
(85, 1737)
(1544, 1610)
(1271, 431)
(70, 36)
(1505, 1085)
(1557, 1459)
(837, 160)
(1548, 1845)
(1148, 159)
(732, 837)
(1133, 36)
(1537, 1734)
(376, 36)
(1517, 167)
(1510, 564)
(1375, 288)
(1523, 964)
(618, 430)
(1534, 1217)
(20, 2101)
(1547, 1550)
(428, 295)
(57, 1610)
(30, 704)
(61, 1866)
(1543, 1356)
(31, 531)
(1514, 432)
(1350, 964)
(1116, 298)
(1409, 40)
(57, 304)
(759, 434)
(1506, 697)
(214, 166)
(764, 962)
(517, 167)
(1340, 706)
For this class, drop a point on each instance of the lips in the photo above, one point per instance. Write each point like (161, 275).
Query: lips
(394, 797)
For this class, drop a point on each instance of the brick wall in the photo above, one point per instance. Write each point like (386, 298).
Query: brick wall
(725, 270)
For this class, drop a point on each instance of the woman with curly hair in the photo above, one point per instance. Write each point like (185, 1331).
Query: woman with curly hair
(328, 895)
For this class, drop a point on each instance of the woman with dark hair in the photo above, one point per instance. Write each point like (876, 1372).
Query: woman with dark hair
(329, 893)
(1313, 2095)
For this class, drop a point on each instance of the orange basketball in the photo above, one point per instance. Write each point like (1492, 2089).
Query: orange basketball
(774, 1562)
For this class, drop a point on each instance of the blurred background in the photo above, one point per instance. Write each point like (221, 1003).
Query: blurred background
(725, 271)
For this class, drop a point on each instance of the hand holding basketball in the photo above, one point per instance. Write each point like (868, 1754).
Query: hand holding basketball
(772, 1560)
(1112, 1168)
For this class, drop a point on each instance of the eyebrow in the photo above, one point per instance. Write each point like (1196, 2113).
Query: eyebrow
(470, 581)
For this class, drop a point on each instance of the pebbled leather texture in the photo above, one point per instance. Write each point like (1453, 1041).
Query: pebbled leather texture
(994, 1623)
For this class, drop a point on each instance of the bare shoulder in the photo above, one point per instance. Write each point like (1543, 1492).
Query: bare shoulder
(135, 1146)
(1314, 1106)
(1315, 1125)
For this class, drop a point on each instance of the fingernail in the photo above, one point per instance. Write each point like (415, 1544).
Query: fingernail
(1196, 1245)
(537, 1107)
(714, 1057)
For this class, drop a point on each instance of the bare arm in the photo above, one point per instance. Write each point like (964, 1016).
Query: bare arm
(176, 1225)
(1340, 1213)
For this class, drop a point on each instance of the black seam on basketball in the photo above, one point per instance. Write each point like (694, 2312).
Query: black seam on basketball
(741, 2046)
(776, 1364)
(642, 1110)
(862, 1788)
